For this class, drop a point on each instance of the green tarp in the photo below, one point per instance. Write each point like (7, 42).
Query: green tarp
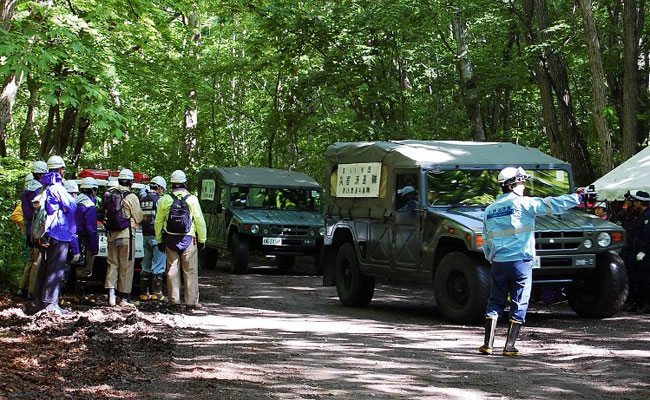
(261, 177)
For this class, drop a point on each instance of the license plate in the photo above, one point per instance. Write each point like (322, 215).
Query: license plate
(537, 262)
(271, 241)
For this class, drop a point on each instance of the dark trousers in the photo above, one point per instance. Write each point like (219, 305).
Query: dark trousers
(50, 275)
(514, 278)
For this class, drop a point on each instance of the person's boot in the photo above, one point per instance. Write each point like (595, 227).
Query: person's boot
(111, 297)
(490, 328)
(54, 308)
(125, 301)
(157, 288)
(145, 280)
(513, 332)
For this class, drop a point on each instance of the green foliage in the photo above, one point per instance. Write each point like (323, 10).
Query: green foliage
(12, 176)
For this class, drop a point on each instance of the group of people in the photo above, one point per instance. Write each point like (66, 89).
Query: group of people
(60, 221)
(634, 217)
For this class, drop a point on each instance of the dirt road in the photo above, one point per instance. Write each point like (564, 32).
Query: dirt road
(267, 335)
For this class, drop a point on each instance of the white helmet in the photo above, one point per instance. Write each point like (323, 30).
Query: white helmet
(55, 162)
(40, 167)
(126, 174)
(178, 176)
(512, 175)
(89, 183)
(29, 177)
(71, 187)
(160, 181)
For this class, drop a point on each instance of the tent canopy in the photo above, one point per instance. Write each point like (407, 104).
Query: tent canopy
(633, 174)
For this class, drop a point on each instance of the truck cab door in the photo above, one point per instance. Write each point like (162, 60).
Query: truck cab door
(222, 220)
(407, 238)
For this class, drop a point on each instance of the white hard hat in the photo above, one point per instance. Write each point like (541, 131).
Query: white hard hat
(32, 185)
(512, 175)
(160, 181)
(71, 187)
(126, 174)
(178, 176)
(89, 183)
(29, 177)
(406, 190)
(55, 162)
(40, 167)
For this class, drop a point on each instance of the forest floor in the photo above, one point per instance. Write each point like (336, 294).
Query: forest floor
(285, 336)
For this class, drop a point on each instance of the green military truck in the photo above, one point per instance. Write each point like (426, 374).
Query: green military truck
(412, 211)
(263, 210)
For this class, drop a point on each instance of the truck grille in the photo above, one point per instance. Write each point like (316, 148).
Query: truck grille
(289, 230)
(558, 240)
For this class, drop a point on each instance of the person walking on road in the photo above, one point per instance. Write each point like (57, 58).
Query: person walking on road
(120, 213)
(54, 231)
(180, 231)
(154, 261)
(509, 245)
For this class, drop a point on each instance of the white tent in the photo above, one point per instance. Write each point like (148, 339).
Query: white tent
(633, 174)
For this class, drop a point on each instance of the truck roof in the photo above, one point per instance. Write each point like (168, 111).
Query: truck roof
(263, 177)
(440, 153)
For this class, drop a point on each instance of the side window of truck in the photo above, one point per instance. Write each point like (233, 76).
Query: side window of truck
(406, 196)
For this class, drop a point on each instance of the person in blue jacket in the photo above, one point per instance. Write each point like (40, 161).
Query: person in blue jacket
(60, 233)
(86, 220)
(509, 245)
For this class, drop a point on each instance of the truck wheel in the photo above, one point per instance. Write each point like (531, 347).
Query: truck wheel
(462, 287)
(285, 263)
(239, 263)
(604, 292)
(209, 257)
(355, 289)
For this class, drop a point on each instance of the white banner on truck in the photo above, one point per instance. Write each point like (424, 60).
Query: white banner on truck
(358, 180)
(207, 189)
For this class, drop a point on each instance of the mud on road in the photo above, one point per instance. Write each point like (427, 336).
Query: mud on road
(269, 335)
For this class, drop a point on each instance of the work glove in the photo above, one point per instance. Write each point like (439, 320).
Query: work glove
(640, 256)
(201, 245)
(75, 258)
(161, 247)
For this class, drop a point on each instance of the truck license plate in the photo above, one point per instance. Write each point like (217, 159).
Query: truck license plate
(271, 241)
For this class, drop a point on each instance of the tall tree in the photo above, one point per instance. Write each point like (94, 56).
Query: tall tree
(630, 67)
(599, 100)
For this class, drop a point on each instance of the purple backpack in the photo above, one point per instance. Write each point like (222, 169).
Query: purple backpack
(112, 213)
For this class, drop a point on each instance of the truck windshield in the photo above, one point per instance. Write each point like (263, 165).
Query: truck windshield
(283, 199)
(474, 187)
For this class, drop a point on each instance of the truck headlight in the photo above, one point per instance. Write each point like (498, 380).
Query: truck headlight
(321, 231)
(588, 244)
(255, 228)
(604, 239)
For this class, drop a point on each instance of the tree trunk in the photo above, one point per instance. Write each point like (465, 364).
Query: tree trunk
(597, 87)
(7, 100)
(84, 126)
(467, 82)
(48, 139)
(28, 128)
(629, 79)
(66, 129)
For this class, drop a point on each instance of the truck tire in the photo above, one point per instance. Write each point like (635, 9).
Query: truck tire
(285, 263)
(604, 292)
(208, 257)
(355, 289)
(462, 288)
(239, 262)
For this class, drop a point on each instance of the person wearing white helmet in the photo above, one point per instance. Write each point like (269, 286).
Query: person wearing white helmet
(180, 231)
(86, 218)
(55, 234)
(154, 260)
(33, 261)
(120, 214)
(509, 245)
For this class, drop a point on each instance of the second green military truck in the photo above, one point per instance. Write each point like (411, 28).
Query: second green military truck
(412, 211)
(262, 210)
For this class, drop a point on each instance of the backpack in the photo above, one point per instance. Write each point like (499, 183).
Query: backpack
(180, 217)
(39, 219)
(112, 213)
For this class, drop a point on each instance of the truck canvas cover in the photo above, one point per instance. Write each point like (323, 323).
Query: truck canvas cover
(433, 154)
(261, 177)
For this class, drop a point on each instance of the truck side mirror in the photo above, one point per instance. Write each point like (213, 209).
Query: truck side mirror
(219, 208)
